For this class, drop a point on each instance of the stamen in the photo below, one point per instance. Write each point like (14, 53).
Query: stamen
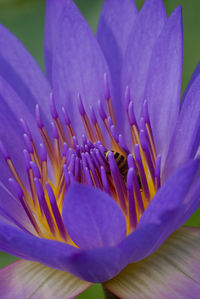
(43, 203)
(55, 134)
(104, 180)
(137, 193)
(143, 127)
(20, 195)
(109, 106)
(43, 157)
(123, 145)
(68, 124)
(56, 212)
(35, 169)
(157, 171)
(136, 186)
(45, 136)
(77, 170)
(131, 201)
(56, 119)
(72, 163)
(97, 129)
(147, 154)
(142, 173)
(87, 175)
(92, 169)
(117, 178)
(85, 119)
(148, 127)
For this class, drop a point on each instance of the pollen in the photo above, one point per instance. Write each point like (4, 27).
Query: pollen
(131, 176)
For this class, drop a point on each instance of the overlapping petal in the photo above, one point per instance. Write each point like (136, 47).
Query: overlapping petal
(25, 279)
(78, 64)
(93, 219)
(115, 25)
(173, 204)
(13, 108)
(164, 82)
(53, 12)
(171, 272)
(146, 30)
(94, 265)
(186, 138)
(22, 72)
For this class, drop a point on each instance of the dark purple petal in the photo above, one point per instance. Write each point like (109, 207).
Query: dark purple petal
(147, 28)
(92, 217)
(78, 65)
(21, 71)
(25, 279)
(115, 24)
(171, 272)
(186, 138)
(164, 82)
(173, 204)
(94, 265)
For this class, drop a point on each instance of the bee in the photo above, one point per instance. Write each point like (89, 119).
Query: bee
(121, 161)
(122, 164)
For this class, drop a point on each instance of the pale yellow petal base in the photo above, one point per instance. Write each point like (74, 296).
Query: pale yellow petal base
(172, 272)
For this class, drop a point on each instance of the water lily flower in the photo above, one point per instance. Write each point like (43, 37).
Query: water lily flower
(100, 164)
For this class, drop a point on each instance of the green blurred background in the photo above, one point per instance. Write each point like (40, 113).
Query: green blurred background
(25, 18)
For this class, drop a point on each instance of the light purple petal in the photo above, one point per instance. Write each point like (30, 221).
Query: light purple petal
(147, 28)
(92, 217)
(186, 138)
(53, 12)
(22, 73)
(78, 65)
(115, 24)
(164, 82)
(171, 207)
(25, 279)
(192, 79)
(171, 272)
(11, 211)
(12, 108)
(96, 265)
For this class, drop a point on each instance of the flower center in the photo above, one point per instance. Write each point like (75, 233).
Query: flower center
(130, 176)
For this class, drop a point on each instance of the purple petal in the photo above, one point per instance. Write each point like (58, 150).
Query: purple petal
(115, 24)
(11, 210)
(186, 138)
(92, 217)
(164, 83)
(79, 64)
(147, 28)
(192, 79)
(21, 71)
(11, 133)
(173, 204)
(25, 279)
(53, 12)
(171, 272)
(94, 265)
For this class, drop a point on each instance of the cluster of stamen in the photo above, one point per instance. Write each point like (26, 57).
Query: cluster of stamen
(60, 162)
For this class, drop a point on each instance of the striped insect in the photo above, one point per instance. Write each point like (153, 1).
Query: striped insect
(121, 161)
(122, 164)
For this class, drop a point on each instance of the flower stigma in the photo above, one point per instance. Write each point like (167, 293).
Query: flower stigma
(130, 177)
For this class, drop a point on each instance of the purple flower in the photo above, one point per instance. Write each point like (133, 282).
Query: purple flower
(92, 190)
